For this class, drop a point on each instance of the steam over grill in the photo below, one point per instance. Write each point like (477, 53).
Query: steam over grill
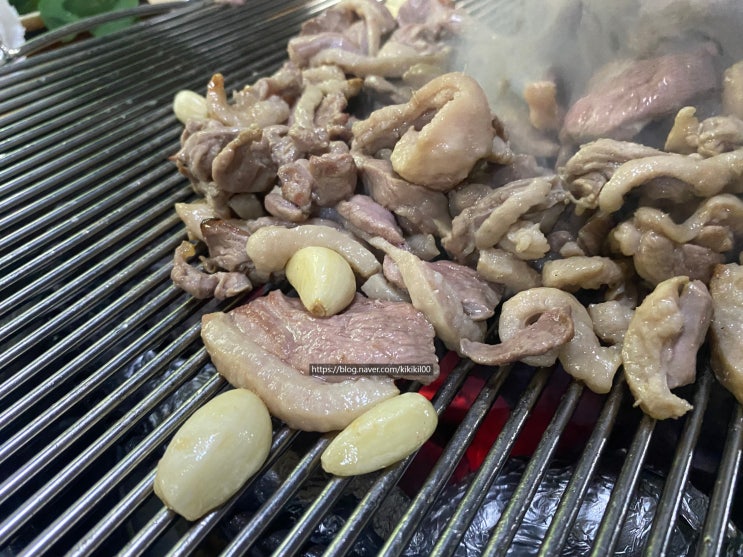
(101, 359)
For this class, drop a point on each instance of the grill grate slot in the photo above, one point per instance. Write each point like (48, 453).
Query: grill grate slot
(494, 461)
(575, 491)
(444, 467)
(101, 360)
(609, 530)
(668, 506)
(511, 518)
(712, 536)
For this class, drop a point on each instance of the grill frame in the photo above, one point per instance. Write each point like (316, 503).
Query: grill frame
(90, 236)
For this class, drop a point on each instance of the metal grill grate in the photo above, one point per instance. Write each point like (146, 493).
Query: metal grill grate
(101, 359)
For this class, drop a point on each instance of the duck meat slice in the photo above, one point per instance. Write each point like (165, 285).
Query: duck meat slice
(268, 345)
(552, 329)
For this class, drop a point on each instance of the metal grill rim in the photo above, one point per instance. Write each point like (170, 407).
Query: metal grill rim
(75, 195)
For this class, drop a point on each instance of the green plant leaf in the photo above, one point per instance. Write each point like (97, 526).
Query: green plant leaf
(56, 13)
(24, 6)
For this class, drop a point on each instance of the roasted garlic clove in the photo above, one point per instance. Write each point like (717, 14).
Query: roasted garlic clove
(189, 104)
(323, 279)
(386, 433)
(214, 453)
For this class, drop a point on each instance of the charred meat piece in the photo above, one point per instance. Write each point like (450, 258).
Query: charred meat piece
(268, 345)
(583, 357)
(478, 297)
(552, 329)
(661, 343)
(586, 172)
(437, 137)
(201, 285)
(367, 218)
(625, 95)
(487, 221)
(432, 294)
(726, 331)
(424, 210)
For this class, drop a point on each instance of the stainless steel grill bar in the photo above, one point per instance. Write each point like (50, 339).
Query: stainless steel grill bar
(51, 413)
(43, 459)
(114, 518)
(132, 94)
(281, 442)
(335, 487)
(45, 63)
(569, 505)
(78, 149)
(158, 52)
(616, 510)
(444, 467)
(490, 467)
(87, 208)
(350, 531)
(82, 238)
(270, 509)
(155, 528)
(303, 529)
(673, 490)
(712, 535)
(53, 487)
(116, 59)
(125, 465)
(51, 37)
(518, 504)
(62, 318)
(43, 420)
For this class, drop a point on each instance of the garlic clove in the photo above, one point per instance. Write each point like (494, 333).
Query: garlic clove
(386, 433)
(189, 104)
(214, 453)
(323, 279)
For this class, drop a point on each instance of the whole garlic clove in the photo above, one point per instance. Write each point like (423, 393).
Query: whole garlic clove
(214, 453)
(386, 433)
(188, 104)
(323, 279)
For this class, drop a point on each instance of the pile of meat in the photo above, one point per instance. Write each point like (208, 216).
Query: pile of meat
(605, 250)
